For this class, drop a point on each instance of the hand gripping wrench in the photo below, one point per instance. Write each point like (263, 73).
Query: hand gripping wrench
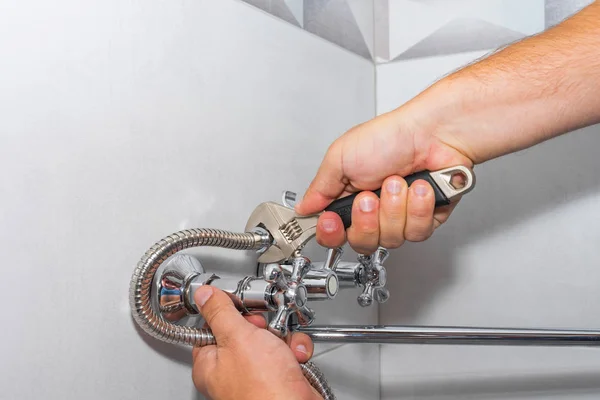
(289, 232)
(163, 283)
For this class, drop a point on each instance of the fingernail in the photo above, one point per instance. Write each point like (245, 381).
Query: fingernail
(202, 295)
(420, 190)
(329, 225)
(393, 187)
(302, 349)
(366, 204)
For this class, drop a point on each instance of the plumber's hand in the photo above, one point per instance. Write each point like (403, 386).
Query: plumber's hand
(248, 361)
(378, 154)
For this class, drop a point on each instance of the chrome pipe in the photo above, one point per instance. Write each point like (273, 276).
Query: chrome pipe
(388, 334)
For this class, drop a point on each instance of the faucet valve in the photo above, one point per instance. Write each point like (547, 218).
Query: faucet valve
(289, 295)
(372, 277)
(368, 274)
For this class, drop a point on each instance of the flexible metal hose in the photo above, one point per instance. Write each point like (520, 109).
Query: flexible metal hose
(141, 282)
(315, 377)
(141, 287)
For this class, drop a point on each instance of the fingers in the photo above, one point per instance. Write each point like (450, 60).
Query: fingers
(327, 185)
(401, 213)
(300, 343)
(302, 347)
(257, 320)
(392, 214)
(363, 235)
(205, 362)
(220, 314)
(419, 211)
(442, 214)
(330, 230)
(205, 358)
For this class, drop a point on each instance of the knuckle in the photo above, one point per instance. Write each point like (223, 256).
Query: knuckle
(393, 208)
(419, 211)
(364, 227)
(364, 249)
(418, 235)
(396, 215)
(392, 242)
(212, 309)
(334, 149)
(237, 342)
(360, 239)
(367, 230)
(364, 246)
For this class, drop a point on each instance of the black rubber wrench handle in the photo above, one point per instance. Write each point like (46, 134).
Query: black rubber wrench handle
(440, 181)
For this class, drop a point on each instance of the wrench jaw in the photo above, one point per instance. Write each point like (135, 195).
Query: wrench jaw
(289, 231)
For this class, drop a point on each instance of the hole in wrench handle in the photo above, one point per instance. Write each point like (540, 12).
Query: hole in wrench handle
(343, 206)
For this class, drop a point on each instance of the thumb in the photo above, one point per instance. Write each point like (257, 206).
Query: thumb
(327, 185)
(220, 314)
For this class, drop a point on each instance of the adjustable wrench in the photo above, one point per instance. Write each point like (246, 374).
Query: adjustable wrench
(289, 232)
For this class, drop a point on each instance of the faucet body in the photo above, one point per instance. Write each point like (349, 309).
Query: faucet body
(283, 289)
(164, 282)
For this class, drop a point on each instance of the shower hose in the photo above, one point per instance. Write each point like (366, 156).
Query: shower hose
(157, 327)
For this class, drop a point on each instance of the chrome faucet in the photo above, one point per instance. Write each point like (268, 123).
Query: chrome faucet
(164, 282)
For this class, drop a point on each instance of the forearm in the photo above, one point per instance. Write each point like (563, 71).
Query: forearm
(529, 92)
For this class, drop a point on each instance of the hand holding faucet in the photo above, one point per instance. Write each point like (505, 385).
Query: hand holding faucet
(234, 368)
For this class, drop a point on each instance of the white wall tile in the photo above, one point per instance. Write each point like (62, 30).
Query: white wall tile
(519, 254)
(521, 16)
(426, 28)
(347, 23)
(410, 22)
(123, 122)
(520, 250)
(352, 371)
(451, 372)
(398, 82)
(558, 10)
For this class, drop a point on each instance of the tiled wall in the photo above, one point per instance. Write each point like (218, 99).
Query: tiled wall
(345, 23)
(426, 28)
(392, 30)
(104, 100)
(521, 250)
(123, 122)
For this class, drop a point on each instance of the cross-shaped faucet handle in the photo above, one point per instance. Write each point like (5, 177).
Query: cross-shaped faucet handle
(289, 295)
(372, 278)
